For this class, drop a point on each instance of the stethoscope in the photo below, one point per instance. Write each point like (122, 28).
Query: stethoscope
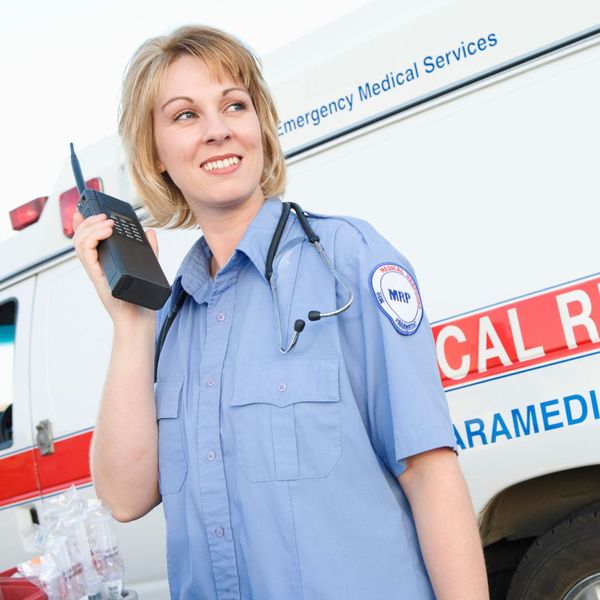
(299, 324)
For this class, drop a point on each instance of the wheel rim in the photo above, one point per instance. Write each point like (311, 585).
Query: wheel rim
(587, 589)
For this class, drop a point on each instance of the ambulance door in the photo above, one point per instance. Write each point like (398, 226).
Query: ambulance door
(19, 484)
(73, 338)
(69, 358)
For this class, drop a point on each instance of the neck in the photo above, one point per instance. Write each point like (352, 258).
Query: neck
(224, 228)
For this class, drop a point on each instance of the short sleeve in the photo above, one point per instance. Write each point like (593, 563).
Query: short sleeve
(391, 362)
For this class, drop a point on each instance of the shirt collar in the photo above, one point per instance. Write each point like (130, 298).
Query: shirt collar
(257, 239)
(194, 273)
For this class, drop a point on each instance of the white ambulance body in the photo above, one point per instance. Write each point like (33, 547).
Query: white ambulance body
(467, 133)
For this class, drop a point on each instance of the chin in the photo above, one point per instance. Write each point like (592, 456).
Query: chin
(238, 196)
(232, 200)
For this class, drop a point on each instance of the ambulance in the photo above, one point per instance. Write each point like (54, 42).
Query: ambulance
(467, 133)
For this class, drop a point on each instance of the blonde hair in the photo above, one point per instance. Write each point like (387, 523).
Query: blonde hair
(223, 55)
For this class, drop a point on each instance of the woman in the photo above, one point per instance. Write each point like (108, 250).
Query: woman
(319, 471)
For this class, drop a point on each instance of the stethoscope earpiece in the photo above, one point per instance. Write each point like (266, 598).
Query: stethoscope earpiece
(299, 326)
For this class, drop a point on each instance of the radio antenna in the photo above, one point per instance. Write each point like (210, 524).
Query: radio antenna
(77, 170)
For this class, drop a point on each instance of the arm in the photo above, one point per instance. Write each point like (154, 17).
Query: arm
(407, 415)
(124, 456)
(448, 535)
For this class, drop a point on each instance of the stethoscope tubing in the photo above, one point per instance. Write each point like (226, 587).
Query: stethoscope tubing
(313, 315)
(340, 280)
(313, 238)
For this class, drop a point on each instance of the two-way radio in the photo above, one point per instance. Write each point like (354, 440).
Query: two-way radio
(127, 259)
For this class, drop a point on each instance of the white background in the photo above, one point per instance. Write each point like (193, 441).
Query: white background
(61, 65)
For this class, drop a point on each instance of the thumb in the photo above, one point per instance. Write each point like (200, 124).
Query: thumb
(151, 235)
(77, 220)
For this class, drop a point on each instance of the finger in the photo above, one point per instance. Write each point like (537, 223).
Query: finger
(86, 226)
(91, 233)
(87, 246)
(77, 220)
(89, 227)
(83, 224)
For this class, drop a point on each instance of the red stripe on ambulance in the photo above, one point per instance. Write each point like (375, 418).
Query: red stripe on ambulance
(537, 329)
(68, 465)
(18, 477)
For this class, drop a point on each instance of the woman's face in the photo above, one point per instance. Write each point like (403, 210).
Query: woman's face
(208, 137)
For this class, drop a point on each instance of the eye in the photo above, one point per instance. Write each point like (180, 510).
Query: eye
(184, 115)
(237, 106)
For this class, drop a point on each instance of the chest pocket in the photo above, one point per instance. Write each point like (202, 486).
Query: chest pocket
(288, 419)
(172, 463)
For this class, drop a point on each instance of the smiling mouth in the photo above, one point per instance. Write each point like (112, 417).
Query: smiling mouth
(221, 164)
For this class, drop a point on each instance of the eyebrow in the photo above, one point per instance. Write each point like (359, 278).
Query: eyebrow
(188, 99)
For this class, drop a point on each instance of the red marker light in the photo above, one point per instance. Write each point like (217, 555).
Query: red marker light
(27, 214)
(68, 204)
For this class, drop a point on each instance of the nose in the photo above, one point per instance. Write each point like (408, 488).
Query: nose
(216, 130)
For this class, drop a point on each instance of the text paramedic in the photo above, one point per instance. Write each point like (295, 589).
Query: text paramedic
(557, 413)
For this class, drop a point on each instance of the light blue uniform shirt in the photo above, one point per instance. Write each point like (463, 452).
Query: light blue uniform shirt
(278, 472)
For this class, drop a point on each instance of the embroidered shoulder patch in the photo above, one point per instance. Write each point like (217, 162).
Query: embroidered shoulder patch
(397, 296)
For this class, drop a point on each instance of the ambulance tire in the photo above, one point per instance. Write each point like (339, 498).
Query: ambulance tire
(562, 563)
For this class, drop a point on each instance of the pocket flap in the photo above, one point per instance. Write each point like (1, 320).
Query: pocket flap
(288, 381)
(167, 393)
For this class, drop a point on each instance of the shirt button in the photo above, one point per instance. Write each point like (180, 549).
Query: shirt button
(210, 381)
(210, 455)
(220, 317)
(281, 387)
(219, 532)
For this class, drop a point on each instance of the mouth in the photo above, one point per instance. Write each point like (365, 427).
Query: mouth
(222, 164)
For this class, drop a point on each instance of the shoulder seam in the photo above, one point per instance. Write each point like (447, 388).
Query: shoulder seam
(343, 220)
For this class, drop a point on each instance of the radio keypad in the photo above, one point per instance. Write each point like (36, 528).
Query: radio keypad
(126, 228)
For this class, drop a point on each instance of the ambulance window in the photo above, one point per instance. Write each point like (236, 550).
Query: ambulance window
(7, 352)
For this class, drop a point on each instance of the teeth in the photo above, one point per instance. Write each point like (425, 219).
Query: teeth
(221, 164)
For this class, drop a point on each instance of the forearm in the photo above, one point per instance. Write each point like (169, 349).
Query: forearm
(446, 526)
(125, 442)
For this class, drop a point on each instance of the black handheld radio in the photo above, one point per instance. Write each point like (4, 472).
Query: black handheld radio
(127, 259)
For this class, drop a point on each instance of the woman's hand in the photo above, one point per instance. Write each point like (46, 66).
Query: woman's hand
(88, 234)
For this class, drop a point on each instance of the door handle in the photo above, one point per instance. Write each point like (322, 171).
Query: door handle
(44, 437)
